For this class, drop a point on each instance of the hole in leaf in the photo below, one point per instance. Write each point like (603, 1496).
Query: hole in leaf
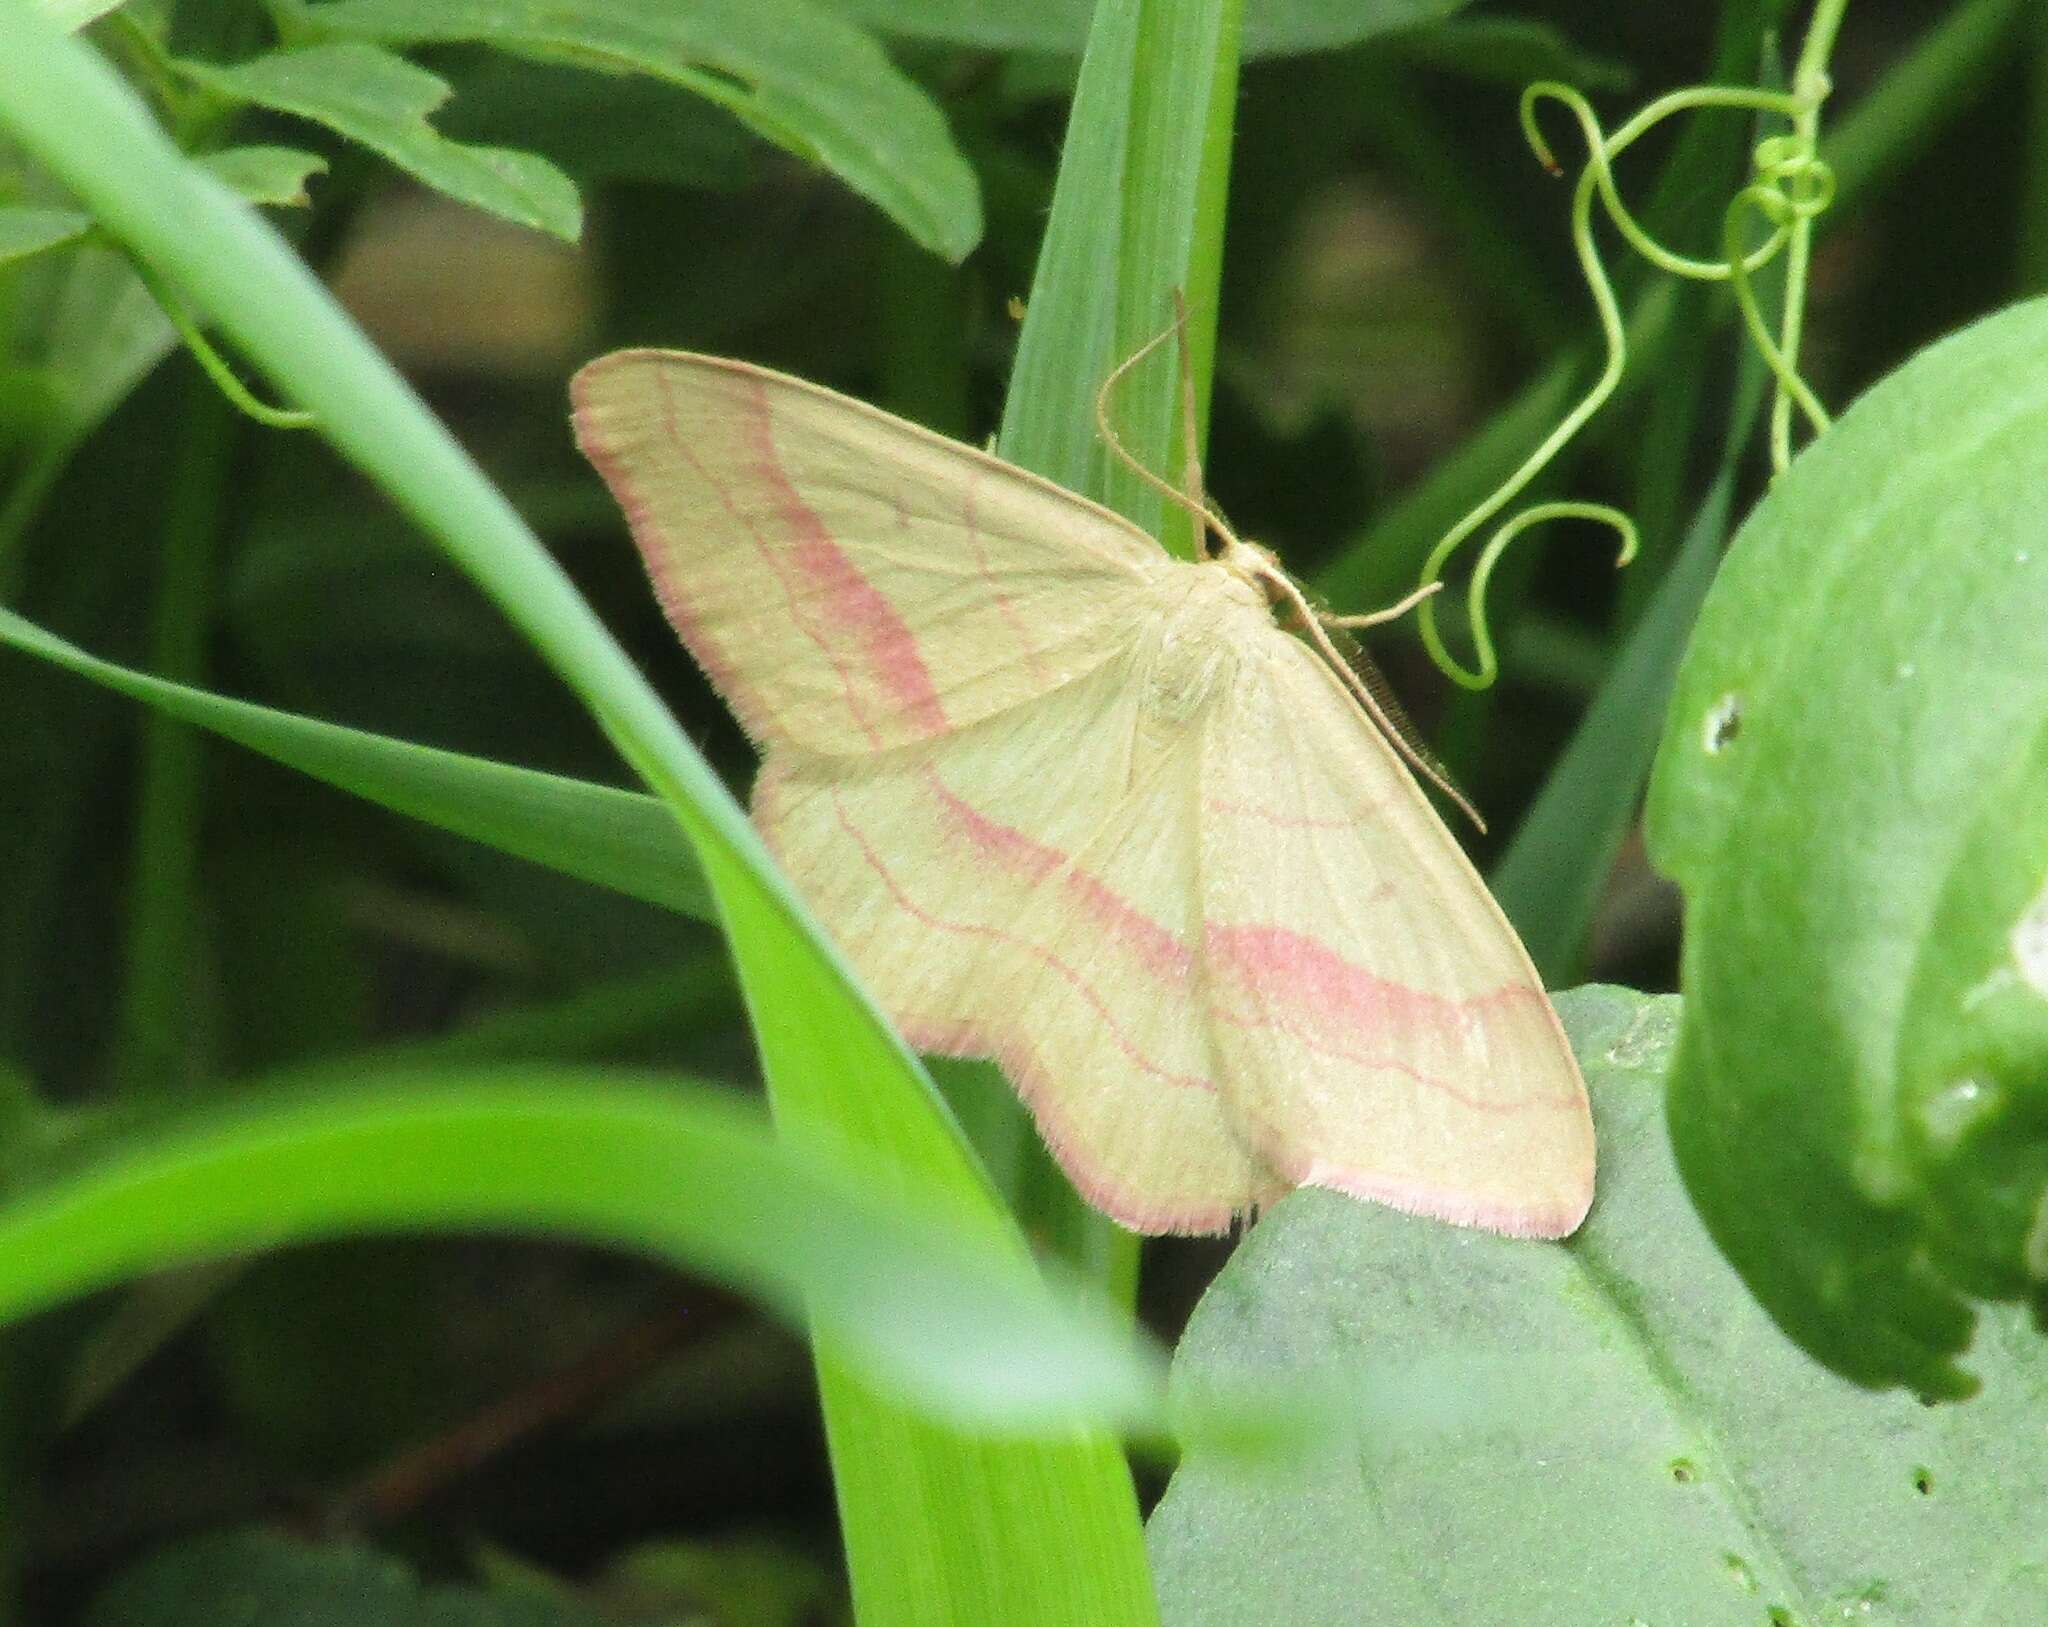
(1724, 723)
(1682, 1471)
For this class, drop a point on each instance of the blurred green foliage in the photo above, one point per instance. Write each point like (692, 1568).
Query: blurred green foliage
(857, 192)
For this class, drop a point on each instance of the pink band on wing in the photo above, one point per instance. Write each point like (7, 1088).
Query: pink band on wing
(1308, 991)
(1157, 949)
(888, 644)
(1132, 1051)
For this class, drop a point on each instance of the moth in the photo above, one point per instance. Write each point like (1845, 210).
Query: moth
(1124, 823)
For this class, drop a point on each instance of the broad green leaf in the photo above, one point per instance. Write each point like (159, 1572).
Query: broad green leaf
(272, 175)
(382, 101)
(27, 229)
(1046, 1525)
(1976, 1090)
(1271, 27)
(790, 69)
(1604, 1430)
(689, 1175)
(601, 127)
(281, 1582)
(1845, 784)
(620, 839)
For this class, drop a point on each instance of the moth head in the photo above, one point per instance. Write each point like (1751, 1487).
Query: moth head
(1252, 561)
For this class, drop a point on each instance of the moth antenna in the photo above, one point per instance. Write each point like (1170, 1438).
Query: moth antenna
(1190, 429)
(1364, 695)
(1379, 618)
(1206, 518)
(1368, 673)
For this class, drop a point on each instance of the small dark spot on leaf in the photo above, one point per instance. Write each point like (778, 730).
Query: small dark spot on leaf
(1682, 1471)
(1923, 1481)
(1781, 1617)
(1724, 723)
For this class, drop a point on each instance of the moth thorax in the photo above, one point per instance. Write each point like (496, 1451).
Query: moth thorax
(1196, 647)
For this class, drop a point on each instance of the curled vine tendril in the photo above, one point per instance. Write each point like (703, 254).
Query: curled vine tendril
(210, 359)
(1789, 186)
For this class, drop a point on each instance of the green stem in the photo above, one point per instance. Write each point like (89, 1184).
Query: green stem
(154, 1027)
(213, 363)
(1810, 86)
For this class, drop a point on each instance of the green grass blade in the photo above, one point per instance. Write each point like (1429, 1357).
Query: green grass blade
(1931, 84)
(1137, 214)
(1068, 341)
(624, 840)
(690, 1175)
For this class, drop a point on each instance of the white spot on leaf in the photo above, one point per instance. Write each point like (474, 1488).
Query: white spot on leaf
(2030, 945)
(1950, 1113)
(1723, 724)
